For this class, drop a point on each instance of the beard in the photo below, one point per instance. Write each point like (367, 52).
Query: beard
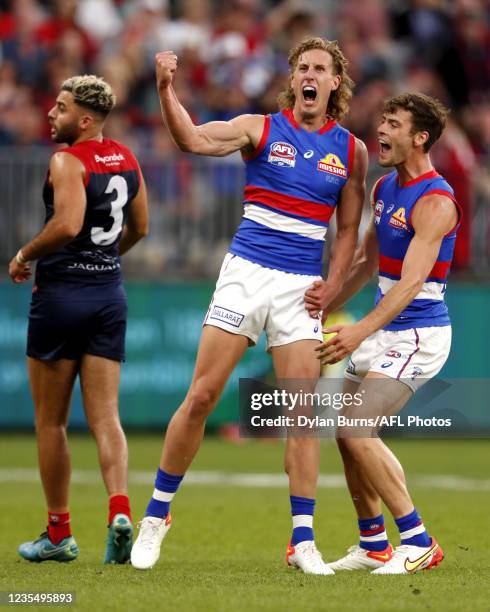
(67, 133)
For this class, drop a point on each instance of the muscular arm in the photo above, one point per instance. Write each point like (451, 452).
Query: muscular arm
(364, 265)
(349, 209)
(433, 217)
(217, 138)
(66, 174)
(136, 226)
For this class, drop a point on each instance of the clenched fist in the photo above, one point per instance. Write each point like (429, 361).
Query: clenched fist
(165, 66)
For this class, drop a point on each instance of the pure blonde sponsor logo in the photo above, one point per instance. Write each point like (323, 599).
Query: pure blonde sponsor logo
(331, 163)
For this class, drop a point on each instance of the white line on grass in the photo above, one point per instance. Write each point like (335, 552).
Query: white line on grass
(326, 481)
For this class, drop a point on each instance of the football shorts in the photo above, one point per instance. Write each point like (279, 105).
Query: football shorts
(250, 298)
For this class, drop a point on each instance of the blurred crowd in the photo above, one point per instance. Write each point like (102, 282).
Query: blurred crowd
(233, 59)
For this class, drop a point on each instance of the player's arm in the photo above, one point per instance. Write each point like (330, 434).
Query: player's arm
(364, 265)
(433, 217)
(217, 138)
(136, 226)
(348, 214)
(67, 178)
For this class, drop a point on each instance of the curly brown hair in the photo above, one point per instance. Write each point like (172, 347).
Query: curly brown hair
(338, 102)
(428, 114)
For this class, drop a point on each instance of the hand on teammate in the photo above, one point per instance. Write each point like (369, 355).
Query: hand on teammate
(318, 297)
(165, 66)
(19, 273)
(347, 338)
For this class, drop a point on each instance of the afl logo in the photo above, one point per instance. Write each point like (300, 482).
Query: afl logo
(282, 154)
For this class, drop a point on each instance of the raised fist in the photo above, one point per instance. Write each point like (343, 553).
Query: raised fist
(165, 66)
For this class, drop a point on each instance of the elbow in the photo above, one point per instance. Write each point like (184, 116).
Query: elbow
(142, 232)
(138, 232)
(414, 284)
(186, 147)
(70, 231)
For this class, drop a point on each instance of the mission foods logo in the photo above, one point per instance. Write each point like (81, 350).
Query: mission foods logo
(332, 164)
(398, 219)
(282, 154)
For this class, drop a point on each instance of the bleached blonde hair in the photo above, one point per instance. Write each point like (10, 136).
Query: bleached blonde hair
(91, 92)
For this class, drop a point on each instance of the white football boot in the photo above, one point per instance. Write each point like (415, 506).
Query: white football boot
(146, 549)
(306, 557)
(409, 559)
(358, 558)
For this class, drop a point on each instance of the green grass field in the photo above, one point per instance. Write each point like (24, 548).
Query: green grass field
(226, 547)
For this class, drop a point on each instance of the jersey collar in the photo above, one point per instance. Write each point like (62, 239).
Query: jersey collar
(428, 175)
(288, 113)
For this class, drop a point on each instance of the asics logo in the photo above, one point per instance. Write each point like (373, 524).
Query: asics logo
(309, 154)
(412, 566)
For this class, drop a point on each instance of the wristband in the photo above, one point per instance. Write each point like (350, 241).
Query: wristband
(20, 259)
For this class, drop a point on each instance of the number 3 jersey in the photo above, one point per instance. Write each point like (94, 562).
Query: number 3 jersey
(112, 179)
(293, 182)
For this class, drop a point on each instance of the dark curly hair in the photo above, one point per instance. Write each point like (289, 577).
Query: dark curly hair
(428, 114)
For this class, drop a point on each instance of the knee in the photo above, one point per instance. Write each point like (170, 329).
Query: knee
(199, 404)
(104, 426)
(46, 423)
(358, 449)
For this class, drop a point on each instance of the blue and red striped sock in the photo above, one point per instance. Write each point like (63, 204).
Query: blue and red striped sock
(302, 509)
(412, 530)
(372, 533)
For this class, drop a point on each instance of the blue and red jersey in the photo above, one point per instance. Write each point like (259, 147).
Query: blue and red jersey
(393, 208)
(293, 182)
(112, 180)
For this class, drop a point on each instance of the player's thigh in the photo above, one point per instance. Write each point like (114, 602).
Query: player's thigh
(106, 335)
(297, 371)
(240, 301)
(288, 320)
(51, 387)
(58, 329)
(218, 354)
(296, 360)
(380, 395)
(99, 383)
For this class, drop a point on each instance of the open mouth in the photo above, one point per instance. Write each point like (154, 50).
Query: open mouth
(309, 93)
(385, 146)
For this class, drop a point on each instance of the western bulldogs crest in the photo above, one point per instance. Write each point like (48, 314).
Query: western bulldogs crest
(378, 209)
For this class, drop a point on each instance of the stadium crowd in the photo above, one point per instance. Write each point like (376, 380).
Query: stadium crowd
(233, 59)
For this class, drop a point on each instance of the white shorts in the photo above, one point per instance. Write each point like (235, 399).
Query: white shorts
(250, 298)
(412, 356)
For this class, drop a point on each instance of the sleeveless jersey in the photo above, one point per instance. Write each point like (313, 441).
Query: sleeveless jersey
(293, 181)
(112, 179)
(393, 208)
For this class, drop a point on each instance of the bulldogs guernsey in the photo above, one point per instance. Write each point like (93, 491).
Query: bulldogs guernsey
(393, 208)
(112, 179)
(293, 181)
